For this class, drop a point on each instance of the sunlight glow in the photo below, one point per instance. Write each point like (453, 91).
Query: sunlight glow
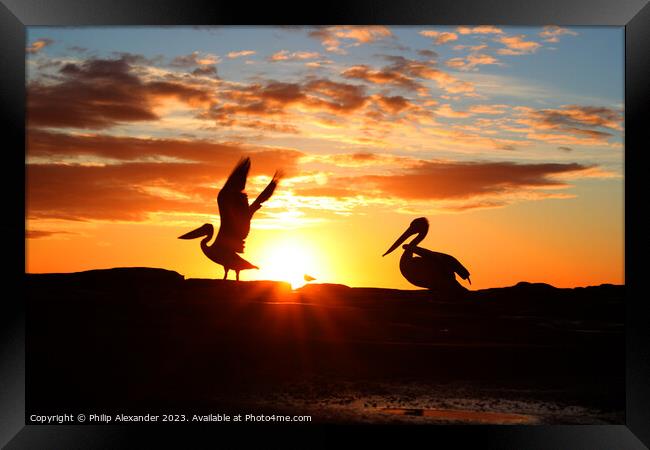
(288, 260)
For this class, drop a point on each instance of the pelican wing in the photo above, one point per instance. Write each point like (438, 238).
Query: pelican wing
(444, 258)
(266, 193)
(233, 208)
(236, 182)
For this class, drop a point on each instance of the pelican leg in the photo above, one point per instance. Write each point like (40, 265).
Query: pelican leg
(225, 273)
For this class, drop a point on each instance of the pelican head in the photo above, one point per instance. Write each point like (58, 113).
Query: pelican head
(419, 226)
(204, 230)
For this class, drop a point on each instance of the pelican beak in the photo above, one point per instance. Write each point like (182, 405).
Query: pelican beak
(410, 231)
(199, 232)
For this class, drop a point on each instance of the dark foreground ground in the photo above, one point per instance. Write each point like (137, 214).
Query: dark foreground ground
(140, 341)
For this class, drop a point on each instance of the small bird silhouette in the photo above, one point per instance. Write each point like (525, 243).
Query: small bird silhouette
(235, 214)
(425, 268)
(308, 278)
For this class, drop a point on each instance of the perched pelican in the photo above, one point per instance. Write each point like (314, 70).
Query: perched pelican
(235, 214)
(428, 269)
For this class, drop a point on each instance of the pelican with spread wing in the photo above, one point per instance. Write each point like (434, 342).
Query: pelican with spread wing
(235, 214)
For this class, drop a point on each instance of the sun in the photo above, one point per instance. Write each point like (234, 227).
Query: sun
(289, 261)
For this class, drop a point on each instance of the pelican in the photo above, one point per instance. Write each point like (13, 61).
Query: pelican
(431, 270)
(235, 214)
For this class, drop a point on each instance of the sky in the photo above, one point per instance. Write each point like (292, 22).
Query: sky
(509, 140)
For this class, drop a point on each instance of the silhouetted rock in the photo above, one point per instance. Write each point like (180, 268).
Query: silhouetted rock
(324, 288)
(137, 337)
(234, 290)
(116, 277)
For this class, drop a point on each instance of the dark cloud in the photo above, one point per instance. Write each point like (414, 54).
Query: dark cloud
(452, 180)
(137, 59)
(40, 234)
(440, 180)
(394, 104)
(244, 105)
(335, 96)
(194, 59)
(100, 93)
(406, 73)
(205, 71)
(127, 149)
(427, 53)
(581, 115)
(361, 159)
(383, 76)
(577, 120)
(144, 181)
(104, 193)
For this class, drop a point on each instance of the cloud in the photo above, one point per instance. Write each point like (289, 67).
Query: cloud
(572, 123)
(449, 186)
(210, 71)
(445, 110)
(404, 72)
(483, 29)
(472, 61)
(122, 149)
(318, 64)
(487, 109)
(517, 45)
(383, 76)
(471, 48)
(285, 55)
(101, 93)
(361, 159)
(143, 176)
(203, 64)
(565, 149)
(394, 104)
(103, 193)
(335, 96)
(38, 45)
(332, 37)
(552, 33)
(239, 54)
(362, 34)
(276, 99)
(427, 53)
(475, 183)
(41, 234)
(439, 37)
(195, 59)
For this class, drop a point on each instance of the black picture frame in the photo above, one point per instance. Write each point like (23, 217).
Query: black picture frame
(16, 15)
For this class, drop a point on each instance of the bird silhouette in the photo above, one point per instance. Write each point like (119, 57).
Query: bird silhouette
(235, 214)
(425, 268)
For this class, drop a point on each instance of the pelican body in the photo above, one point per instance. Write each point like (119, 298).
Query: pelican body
(235, 214)
(425, 268)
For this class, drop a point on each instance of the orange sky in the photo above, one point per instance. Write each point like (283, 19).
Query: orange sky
(521, 179)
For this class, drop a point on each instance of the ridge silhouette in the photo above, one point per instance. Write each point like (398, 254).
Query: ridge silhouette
(425, 268)
(235, 214)
(194, 344)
